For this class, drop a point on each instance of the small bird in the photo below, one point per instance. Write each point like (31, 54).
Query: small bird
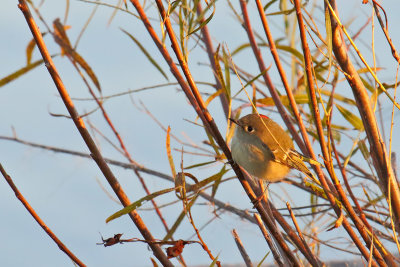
(265, 150)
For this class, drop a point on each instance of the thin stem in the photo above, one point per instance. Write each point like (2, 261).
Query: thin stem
(241, 248)
(270, 242)
(315, 262)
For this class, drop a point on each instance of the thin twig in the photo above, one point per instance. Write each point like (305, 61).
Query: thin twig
(241, 248)
(270, 243)
(203, 244)
(315, 262)
(385, 30)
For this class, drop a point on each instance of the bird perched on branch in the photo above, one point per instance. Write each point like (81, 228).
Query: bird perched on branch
(265, 150)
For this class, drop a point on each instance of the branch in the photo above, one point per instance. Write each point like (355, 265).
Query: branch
(38, 219)
(80, 125)
(377, 147)
(324, 146)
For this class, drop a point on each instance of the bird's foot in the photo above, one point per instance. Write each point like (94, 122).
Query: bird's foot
(257, 201)
(232, 163)
(261, 197)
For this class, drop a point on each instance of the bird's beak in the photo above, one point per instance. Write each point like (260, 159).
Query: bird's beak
(234, 121)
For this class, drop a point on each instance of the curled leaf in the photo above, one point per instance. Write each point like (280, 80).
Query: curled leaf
(338, 222)
(176, 249)
(61, 38)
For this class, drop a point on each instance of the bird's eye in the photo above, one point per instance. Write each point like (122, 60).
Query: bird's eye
(249, 129)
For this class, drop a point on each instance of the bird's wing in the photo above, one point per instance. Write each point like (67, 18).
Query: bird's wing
(272, 152)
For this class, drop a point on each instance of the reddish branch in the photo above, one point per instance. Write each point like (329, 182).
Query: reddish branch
(38, 219)
(270, 243)
(327, 156)
(241, 248)
(95, 153)
(377, 147)
(194, 97)
(300, 233)
(61, 38)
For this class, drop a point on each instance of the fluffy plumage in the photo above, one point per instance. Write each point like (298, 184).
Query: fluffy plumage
(264, 149)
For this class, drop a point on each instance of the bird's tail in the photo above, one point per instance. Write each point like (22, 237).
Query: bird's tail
(306, 159)
(297, 160)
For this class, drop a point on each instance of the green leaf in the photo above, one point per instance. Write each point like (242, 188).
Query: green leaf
(263, 259)
(225, 59)
(283, 12)
(368, 86)
(218, 69)
(328, 34)
(292, 51)
(199, 165)
(214, 262)
(173, 6)
(213, 96)
(351, 118)
(299, 98)
(336, 135)
(364, 150)
(285, 48)
(339, 97)
(20, 72)
(61, 38)
(137, 204)
(240, 48)
(170, 159)
(82, 62)
(206, 21)
(313, 203)
(252, 80)
(269, 4)
(29, 49)
(196, 187)
(217, 178)
(213, 144)
(152, 61)
(173, 228)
